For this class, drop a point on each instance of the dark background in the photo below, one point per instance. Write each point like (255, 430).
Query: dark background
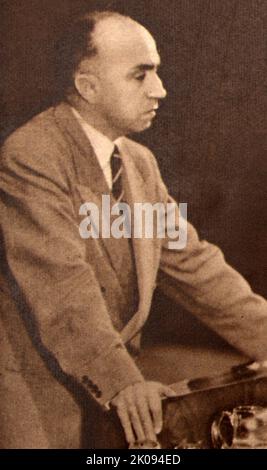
(210, 135)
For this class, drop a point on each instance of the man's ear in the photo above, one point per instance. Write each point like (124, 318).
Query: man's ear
(86, 85)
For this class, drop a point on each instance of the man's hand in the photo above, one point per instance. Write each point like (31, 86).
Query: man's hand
(140, 411)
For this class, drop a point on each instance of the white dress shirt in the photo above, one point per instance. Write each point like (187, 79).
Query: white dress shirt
(102, 145)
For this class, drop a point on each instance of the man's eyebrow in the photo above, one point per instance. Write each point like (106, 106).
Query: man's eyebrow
(145, 67)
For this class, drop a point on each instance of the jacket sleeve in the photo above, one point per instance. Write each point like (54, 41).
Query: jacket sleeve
(199, 278)
(46, 259)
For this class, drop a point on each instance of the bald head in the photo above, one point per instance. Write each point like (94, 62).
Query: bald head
(120, 35)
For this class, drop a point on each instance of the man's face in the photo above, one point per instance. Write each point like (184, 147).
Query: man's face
(128, 86)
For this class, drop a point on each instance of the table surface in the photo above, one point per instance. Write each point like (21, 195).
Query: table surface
(170, 363)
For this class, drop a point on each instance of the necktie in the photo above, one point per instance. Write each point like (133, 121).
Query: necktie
(116, 171)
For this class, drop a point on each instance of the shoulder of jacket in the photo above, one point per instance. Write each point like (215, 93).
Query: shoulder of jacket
(38, 147)
(37, 141)
(39, 133)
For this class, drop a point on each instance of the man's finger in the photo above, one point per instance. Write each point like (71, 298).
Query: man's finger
(167, 391)
(145, 417)
(136, 423)
(155, 407)
(126, 424)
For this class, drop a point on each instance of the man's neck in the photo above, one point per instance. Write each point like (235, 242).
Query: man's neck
(91, 117)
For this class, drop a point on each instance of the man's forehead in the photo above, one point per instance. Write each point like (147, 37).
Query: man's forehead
(126, 41)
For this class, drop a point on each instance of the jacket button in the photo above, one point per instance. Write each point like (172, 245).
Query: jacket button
(103, 289)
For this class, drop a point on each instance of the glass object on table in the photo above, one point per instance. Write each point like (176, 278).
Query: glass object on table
(244, 427)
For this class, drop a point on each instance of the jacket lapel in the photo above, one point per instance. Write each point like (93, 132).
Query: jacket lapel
(144, 248)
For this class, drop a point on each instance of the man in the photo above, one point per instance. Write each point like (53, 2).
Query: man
(73, 308)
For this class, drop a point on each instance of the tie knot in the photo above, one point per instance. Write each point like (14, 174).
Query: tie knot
(116, 152)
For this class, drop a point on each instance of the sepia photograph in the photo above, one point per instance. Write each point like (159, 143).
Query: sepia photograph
(133, 219)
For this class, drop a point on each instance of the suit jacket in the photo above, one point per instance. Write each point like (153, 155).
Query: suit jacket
(62, 341)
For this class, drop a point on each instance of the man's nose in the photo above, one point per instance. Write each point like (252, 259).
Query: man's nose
(156, 89)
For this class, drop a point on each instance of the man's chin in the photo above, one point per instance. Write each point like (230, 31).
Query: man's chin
(145, 125)
(140, 128)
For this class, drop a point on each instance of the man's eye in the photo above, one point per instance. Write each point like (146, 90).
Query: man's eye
(141, 77)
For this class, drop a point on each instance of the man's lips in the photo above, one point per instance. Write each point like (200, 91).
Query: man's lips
(152, 111)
